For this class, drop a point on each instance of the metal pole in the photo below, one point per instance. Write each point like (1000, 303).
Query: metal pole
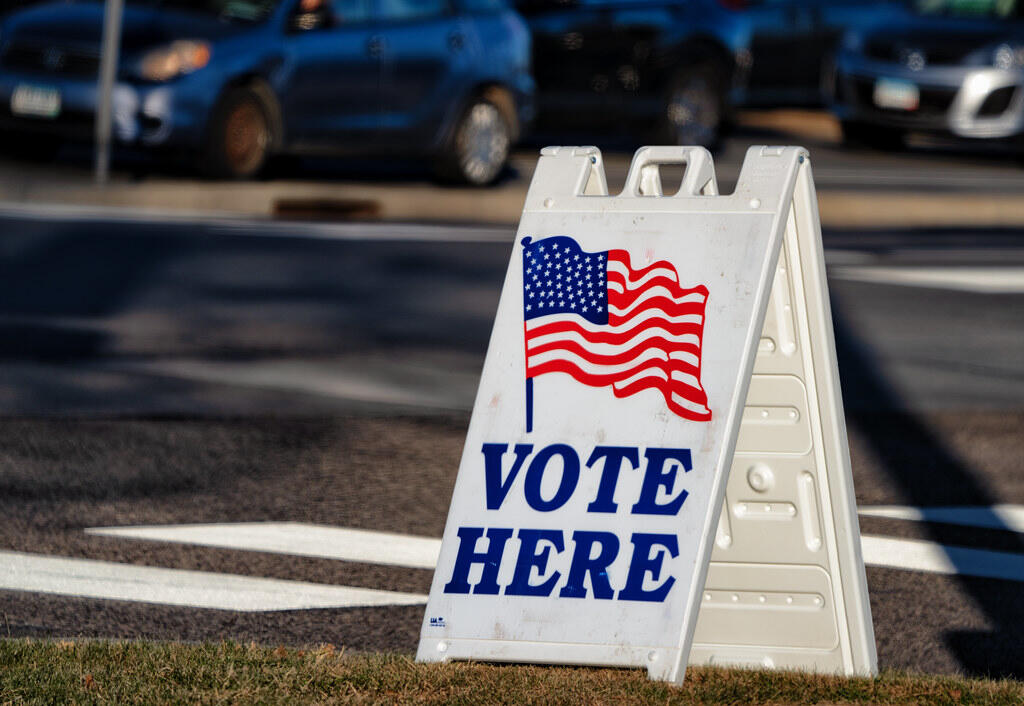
(105, 89)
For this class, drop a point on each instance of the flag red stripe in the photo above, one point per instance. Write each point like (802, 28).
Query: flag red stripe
(664, 280)
(658, 302)
(618, 358)
(666, 387)
(621, 336)
(666, 366)
(622, 257)
(666, 390)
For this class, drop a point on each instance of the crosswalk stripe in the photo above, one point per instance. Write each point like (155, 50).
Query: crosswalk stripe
(88, 578)
(422, 552)
(296, 539)
(931, 557)
(1004, 517)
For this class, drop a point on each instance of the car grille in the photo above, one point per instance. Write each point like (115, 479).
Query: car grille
(50, 59)
(898, 51)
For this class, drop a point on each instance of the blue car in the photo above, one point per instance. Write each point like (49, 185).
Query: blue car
(235, 82)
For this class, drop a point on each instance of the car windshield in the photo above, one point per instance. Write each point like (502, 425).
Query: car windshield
(233, 10)
(982, 9)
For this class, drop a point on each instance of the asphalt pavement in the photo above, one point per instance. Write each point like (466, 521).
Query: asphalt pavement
(214, 370)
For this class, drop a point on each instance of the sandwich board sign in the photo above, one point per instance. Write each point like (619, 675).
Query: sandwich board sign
(656, 471)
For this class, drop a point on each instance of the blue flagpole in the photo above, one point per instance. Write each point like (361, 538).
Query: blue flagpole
(529, 404)
(529, 380)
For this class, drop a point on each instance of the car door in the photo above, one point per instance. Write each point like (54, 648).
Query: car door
(425, 60)
(332, 92)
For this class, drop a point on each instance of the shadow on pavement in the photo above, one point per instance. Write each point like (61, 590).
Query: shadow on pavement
(923, 468)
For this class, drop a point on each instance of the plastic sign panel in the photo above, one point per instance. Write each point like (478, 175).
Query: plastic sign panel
(602, 437)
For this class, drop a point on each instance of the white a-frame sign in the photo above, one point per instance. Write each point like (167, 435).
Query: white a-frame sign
(656, 471)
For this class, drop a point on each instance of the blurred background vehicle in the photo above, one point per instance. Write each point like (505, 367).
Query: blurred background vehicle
(947, 67)
(674, 71)
(234, 82)
(659, 69)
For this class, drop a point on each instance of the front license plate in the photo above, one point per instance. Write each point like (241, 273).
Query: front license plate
(35, 101)
(896, 95)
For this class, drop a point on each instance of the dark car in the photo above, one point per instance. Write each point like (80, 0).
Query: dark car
(662, 68)
(949, 67)
(792, 45)
(236, 81)
(676, 68)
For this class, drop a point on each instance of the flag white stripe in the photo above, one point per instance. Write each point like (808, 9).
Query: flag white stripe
(589, 368)
(686, 379)
(620, 268)
(689, 404)
(659, 291)
(691, 298)
(592, 368)
(691, 358)
(650, 372)
(608, 328)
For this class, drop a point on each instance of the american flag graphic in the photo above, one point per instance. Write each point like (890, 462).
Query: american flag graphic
(594, 317)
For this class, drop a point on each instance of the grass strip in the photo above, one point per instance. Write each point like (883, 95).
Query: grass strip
(91, 672)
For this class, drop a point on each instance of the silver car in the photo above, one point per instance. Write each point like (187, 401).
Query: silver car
(945, 66)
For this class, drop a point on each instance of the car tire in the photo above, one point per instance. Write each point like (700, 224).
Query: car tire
(858, 135)
(479, 146)
(239, 137)
(695, 107)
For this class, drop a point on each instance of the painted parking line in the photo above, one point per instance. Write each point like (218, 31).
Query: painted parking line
(1003, 517)
(297, 539)
(87, 578)
(422, 552)
(978, 280)
(934, 558)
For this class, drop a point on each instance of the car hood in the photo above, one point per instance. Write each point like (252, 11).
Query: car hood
(941, 40)
(81, 25)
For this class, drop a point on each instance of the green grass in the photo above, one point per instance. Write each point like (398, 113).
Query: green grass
(88, 672)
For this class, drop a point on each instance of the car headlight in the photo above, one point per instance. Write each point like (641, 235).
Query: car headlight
(179, 57)
(1008, 56)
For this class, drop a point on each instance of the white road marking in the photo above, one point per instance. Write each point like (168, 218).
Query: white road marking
(87, 578)
(930, 557)
(297, 539)
(979, 280)
(1005, 517)
(422, 552)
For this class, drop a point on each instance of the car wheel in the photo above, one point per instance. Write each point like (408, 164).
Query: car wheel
(479, 147)
(239, 138)
(857, 134)
(695, 107)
